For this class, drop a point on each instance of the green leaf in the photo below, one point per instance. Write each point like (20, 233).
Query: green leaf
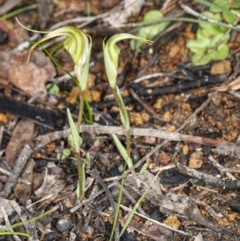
(77, 140)
(215, 16)
(122, 109)
(216, 7)
(122, 151)
(220, 38)
(234, 4)
(52, 89)
(219, 3)
(198, 45)
(221, 53)
(208, 31)
(132, 213)
(208, 26)
(229, 18)
(198, 59)
(144, 168)
(152, 15)
(70, 140)
(65, 153)
(83, 184)
(149, 32)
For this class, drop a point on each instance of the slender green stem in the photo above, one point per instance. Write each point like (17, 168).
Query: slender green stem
(80, 113)
(15, 233)
(80, 177)
(80, 165)
(18, 11)
(128, 141)
(124, 118)
(117, 207)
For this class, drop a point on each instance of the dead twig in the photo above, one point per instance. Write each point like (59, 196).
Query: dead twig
(170, 136)
(222, 169)
(208, 179)
(143, 103)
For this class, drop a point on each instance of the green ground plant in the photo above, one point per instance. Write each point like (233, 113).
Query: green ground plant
(211, 43)
(78, 44)
(111, 54)
(151, 31)
(212, 37)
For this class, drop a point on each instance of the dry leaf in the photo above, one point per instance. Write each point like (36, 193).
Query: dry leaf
(234, 85)
(7, 206)
(21, 135)
(52, 183)
(30, 77)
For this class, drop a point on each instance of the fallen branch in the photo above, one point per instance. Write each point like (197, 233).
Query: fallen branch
(170, 136)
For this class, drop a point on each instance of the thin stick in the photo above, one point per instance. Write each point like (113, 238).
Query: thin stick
(170, 136)
(208, 179)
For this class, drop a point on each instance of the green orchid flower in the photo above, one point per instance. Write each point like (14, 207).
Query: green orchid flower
(77, 43)
(111, 55)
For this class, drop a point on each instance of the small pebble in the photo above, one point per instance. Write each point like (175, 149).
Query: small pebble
(90, 230)
(223, 67)
(195, 160)
(63, 225)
